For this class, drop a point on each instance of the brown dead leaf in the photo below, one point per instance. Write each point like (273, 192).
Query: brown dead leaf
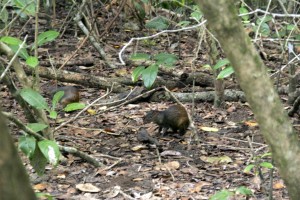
(40, 186)
(251, 123)
(173, 165)
(199, 186)
(87, 187)
(278, 185)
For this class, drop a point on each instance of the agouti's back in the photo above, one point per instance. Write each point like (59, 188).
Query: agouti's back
(175, 117)
(71, 94)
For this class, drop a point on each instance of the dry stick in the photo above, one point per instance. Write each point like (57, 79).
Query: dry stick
(155, 35)
(114, 19)
(130, 100)
(173, 178)
(70, 150)
(73, 54)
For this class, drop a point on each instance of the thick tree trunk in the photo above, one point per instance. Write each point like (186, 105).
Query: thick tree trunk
(260, 93)
(14, 182)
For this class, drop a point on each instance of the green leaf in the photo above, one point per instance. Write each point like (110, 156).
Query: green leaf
(244, 10)
(50, 150)
(221, 63)
(136, 73)
(225, 72)
(158, 23)
(22, 53)
(27, 145)
(139, 10)
(32, 61)
(4, 15)
(165, 59)
(38, 162)
(184, 23)
(47, 36)
(266, 165)
(53, 114)
(42, 195)
(266, 155)
(140, 56)
(74, 106)
(248, 168)
(196, 14)
(34, 99)
(36, 127)
(30, 8)
(11, 40)
(149, 75)
(222, 195)
(291, 27)
(265, 19)
(57, 96)
(244, 191)
(265, 29)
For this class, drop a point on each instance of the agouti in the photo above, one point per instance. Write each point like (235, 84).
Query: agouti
(71, 94)
(175, 117)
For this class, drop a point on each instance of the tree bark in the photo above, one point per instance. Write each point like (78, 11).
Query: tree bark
(260, 93)
(14, 181)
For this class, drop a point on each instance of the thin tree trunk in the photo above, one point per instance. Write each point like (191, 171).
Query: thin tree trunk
(260, 93)
(14, 182)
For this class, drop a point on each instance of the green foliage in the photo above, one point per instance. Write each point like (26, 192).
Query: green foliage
(149, 73)
(140, 56)
(136, 73)
(50, 150)
(40, 152)
(258, 163)
(32, 61)
(165, 59)
(226, 194)
(222, 195)
(158, 23)
(227, 68)
(28, 6)
(36, 127)
(27, 145)
(47, 36)
(74, 106)
(34, 99)
(42, 195)
(38, 161)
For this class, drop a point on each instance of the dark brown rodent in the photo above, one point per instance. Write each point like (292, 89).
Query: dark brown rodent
(71, 94)
(175, 117)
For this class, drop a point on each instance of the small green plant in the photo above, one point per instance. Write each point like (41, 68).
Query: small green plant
(226, 194)
(258, 164)
(36, 100)
(227, 68)
(149, 73)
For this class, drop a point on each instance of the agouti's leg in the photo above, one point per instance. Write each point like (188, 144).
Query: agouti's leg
(182, 131)
(164, 130)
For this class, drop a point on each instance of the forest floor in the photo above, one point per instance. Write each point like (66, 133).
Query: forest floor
(229, 138)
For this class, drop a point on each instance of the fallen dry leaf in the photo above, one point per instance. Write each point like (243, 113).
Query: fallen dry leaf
(87, 187)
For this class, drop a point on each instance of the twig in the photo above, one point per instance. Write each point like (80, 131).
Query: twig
(155, 35)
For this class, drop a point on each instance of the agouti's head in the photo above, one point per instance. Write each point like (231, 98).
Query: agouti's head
(151, 116)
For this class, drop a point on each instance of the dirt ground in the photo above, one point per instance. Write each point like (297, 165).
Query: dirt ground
(228, 138)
